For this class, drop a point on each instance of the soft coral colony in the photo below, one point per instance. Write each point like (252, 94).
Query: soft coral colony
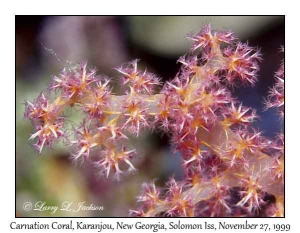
(230, 168)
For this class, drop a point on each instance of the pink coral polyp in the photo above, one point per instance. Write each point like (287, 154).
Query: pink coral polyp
(229, 167)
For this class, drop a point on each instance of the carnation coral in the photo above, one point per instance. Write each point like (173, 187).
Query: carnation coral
(230, 168)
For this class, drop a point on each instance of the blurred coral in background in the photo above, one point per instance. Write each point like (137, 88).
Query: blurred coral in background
(46, 45)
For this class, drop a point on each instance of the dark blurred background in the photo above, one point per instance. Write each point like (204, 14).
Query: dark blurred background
(47, 44)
